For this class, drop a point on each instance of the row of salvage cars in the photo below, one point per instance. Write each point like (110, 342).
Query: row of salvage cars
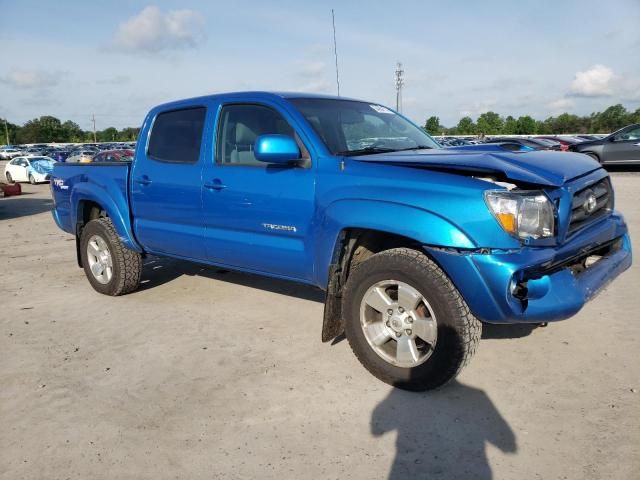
(37, 169)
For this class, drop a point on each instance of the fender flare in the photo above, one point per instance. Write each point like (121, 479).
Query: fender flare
(423, 226)
(113, 208)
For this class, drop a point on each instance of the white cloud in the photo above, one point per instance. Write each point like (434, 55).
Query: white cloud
(154, 31)
(594, 82)
(30, 79)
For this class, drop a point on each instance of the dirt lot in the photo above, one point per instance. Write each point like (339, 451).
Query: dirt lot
(207, 374)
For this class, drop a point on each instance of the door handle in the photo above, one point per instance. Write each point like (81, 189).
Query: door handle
(216, 184)
(143, 180)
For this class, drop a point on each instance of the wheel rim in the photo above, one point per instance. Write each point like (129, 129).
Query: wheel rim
(100, 261)
(398, 323)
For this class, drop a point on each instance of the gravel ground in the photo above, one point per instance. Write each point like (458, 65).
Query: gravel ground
(211, 374)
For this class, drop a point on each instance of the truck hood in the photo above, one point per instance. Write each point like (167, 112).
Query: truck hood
(547, 168)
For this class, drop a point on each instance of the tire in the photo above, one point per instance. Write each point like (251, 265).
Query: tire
(32, 180)
(457, 332)
(595, 157)
(9, 178)
(126, 265)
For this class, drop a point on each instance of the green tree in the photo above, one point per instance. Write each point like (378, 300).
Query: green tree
(43, 129)
(613, 118)
(466, 126)
(109, 134)
(510, 126)
(72, 131)
(525, 125)
(11, 128)
(489, 123)
(433, 126)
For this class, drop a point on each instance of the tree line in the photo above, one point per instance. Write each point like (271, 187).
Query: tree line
(49, 129)
(491, 123)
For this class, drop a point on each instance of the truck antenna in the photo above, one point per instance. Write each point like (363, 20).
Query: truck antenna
(335, 49)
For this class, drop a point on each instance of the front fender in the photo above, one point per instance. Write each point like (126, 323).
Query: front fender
(114, 203)
(421, 225)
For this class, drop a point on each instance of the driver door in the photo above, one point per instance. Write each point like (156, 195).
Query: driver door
(624, 147)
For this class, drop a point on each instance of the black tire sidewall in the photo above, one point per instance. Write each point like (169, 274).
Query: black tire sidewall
(433, 372)
(9, 178)
(97, 228)
(32, 180)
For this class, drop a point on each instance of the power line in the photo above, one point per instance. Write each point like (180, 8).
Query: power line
(335, 49)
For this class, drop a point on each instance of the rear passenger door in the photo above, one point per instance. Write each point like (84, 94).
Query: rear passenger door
(166, 184)
(258, 216)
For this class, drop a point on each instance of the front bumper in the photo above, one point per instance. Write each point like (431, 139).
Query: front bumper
(532, 285)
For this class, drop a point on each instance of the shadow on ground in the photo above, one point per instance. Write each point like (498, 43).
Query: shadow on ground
(442, 434)
(159, 270)
(23, 206)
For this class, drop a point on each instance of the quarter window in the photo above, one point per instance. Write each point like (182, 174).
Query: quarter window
(176, 135)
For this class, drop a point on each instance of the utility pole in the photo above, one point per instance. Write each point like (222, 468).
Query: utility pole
(335, 49)
(93, 118)
(399, 84)
(6, 130)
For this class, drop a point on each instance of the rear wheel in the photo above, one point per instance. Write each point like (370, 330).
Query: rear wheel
(406, 322)
(112, 269)
(9, 178)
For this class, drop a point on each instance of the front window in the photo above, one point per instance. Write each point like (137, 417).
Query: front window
(350, 127)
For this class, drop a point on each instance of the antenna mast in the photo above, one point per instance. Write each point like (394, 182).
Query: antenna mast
(335, 49)
(399, 84)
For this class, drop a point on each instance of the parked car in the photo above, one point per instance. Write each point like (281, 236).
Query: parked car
(565, 142)
(81, 156)
(60, 155)
(29, 169)
(534, 143)
(114, 156)
(413, 244)
(621, 147)
(8, 152)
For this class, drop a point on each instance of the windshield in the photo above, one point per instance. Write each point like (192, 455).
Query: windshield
(41, 161)
(350, 127)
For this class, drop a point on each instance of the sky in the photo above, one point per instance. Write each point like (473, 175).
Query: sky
(115, 60)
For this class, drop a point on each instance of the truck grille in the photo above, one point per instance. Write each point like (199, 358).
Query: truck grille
(591, 203)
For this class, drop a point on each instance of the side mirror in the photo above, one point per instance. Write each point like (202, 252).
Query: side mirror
(276, 149)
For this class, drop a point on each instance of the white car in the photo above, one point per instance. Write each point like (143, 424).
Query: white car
(7, 153)
(29, 169)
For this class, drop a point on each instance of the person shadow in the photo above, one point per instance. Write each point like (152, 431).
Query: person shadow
(442, 434)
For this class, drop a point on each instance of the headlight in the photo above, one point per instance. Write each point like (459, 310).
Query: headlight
(522, 214)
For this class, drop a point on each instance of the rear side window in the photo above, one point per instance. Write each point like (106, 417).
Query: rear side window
(176, 135)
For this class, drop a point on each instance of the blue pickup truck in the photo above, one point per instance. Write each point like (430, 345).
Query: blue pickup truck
(414, 245)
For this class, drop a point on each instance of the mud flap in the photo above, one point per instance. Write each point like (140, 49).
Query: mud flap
(332, 323)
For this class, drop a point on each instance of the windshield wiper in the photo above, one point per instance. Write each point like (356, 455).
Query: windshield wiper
(365, 151)
(417, 147)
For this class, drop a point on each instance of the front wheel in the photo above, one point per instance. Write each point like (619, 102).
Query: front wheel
(32, 180)
(406, 322)
(112, 269)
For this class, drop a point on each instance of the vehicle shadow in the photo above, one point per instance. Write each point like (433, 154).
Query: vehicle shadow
(443, 433)
(492, 331)
(23, 206)
(160, 270)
